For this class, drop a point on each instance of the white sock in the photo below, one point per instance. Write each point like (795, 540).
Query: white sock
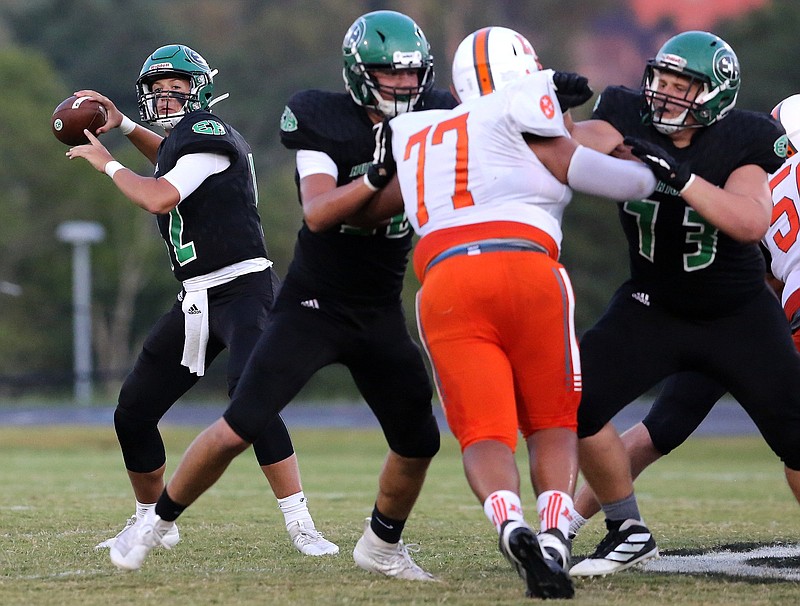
(502, 505)
(294, 508)
(556, 510)
(143, 508)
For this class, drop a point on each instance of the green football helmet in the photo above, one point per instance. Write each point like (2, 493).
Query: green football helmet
(704, 58)
(385, 40)
(174, 60)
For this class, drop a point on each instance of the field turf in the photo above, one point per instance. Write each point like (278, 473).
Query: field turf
(64, 489)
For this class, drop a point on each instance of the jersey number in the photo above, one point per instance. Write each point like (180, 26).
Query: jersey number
(700, 233)
(185, 251)
(461, 195)
(785, 206)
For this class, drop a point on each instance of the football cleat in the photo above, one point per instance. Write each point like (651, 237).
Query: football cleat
(170, 539)
(630, 544)
(309, 541)
(390, 559)
(134, 543)
(532, 558)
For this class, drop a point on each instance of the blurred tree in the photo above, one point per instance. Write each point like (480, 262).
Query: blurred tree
(765, 41)
(265, 51)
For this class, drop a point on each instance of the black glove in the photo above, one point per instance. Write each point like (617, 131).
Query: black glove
(664, 166)
(572, 89)
(383, 166)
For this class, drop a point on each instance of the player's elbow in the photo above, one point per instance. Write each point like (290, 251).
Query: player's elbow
(318, 222)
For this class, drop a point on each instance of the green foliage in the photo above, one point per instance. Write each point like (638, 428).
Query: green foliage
(765, 42)
(234, 548)
(265, 51)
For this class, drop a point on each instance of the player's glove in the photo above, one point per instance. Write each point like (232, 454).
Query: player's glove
(383, 166)
(664, 167)
(572, 89)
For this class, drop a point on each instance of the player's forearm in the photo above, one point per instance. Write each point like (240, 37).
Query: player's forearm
(146, 141)
(335, 206)
(742, 216)
(154, 195)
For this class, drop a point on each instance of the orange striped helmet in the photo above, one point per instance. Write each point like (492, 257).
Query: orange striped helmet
(490, 58)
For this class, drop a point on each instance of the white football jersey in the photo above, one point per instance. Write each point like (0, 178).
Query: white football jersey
(781, 238)
(474, 165)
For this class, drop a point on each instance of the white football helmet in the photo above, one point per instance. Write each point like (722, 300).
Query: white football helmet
(787, 112)
(488, 59)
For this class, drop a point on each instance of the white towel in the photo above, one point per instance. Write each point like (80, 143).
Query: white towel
(195, 308)
(195, 312)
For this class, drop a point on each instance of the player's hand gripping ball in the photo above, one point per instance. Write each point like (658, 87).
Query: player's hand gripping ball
(73, 115)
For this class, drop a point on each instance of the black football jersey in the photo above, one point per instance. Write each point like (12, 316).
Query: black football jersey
(217, 224)
(354, 265)
(677, 257)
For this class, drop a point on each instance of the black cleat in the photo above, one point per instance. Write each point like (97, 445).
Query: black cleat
(543, 575)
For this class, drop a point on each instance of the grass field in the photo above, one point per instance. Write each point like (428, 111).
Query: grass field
(63, 489)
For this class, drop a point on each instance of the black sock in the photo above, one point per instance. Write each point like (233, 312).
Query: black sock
(167, 509)
(386, 528)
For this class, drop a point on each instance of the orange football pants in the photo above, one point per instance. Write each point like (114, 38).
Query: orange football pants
(498, 328)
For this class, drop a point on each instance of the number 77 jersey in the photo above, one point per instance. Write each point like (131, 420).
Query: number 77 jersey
(472, 165)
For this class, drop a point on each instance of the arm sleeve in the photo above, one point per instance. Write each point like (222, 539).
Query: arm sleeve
(594, 173)
(192, 169)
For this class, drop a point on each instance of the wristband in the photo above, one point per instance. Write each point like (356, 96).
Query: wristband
(127, 125)
(688, 183)
(112, 167)
(369, 184)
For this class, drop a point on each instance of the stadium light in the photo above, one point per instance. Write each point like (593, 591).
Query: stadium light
(81, 234)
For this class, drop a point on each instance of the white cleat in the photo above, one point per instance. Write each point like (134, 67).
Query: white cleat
(309, 541)
(620, 549)
(134, 543)
(169, 540)
(390, 559)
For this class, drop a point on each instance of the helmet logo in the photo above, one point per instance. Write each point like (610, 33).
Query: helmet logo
(726, 68)
(547, 106)
(407, 59)
(526, 46)
(196, 58)
(354, 36)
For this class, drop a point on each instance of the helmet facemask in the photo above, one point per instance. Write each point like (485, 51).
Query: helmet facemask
(658, 103)
(175, 61)
(392, 100)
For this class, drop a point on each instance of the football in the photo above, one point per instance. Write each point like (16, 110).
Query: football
(73, 115)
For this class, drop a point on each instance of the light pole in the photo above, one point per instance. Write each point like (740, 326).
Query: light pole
(81, 234)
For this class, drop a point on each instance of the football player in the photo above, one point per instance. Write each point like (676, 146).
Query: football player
(687, 398)
(485, 186)
(203, 194)
(340, 300)
(697, 299)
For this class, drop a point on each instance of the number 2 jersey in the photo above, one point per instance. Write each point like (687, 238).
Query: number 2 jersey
(218, 224)
(350, 264)
(677, 258)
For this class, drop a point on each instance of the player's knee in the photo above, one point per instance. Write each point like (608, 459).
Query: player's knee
(417, 441)
(140, 441)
